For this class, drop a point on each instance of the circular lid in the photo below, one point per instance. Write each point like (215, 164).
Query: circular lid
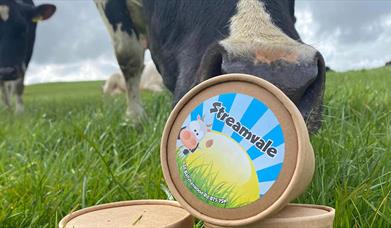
(230, 148)
(143, 213)
(302, 211)
(298, 216)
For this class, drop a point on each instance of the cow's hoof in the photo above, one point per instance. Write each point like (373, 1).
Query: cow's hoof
(135, 115)
(19, 110)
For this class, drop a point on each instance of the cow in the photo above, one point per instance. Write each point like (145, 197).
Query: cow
(150, 80)
(18, 23)
(191, 135)
(114, 85)
(192, 41)
(128, 46)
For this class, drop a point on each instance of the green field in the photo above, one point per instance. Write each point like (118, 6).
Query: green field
(72, 149)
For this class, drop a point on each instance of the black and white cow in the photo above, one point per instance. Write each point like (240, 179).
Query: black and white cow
(18, 23)
(193, 40)
(123, 19)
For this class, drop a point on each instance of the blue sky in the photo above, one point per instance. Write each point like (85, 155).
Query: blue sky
(74, 44)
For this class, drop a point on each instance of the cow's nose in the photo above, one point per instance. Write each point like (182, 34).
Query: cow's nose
(291, 69)
(185, 134)
(299, 71)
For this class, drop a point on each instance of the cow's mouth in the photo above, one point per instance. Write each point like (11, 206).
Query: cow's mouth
(8, 73)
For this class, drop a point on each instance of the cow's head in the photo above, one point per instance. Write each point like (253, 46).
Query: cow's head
(18, 20)
(262, 41)
(192, 41)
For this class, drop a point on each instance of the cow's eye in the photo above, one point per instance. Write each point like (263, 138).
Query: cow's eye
(195, 130)
(197, 134)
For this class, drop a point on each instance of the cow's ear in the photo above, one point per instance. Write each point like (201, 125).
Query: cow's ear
(43, 12)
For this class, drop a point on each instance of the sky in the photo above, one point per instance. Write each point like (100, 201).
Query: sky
(75, 46)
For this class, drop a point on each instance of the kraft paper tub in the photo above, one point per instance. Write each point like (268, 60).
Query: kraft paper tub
(296, 216)
(235, 150)
(137, 214)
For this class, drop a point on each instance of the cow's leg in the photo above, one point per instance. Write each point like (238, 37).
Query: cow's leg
(5, 94)
(128, 48)
(130, 56)
(19, 89)
(134, 109)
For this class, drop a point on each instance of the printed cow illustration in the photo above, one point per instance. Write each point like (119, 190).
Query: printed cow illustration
(191, 135)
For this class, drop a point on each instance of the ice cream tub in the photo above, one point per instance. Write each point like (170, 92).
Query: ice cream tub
(296, 216)
(137, 214)
(235, 150)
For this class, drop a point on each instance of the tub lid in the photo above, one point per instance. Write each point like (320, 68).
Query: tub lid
(230, 148)
(297, 216)
(301, 215)
(143, 213)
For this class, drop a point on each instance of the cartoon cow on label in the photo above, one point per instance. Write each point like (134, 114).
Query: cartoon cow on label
(191, 135)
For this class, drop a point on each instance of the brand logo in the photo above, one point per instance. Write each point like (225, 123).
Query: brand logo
(230, 150)
(261, 144)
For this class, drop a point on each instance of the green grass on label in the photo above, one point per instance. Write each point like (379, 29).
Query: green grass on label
(205, 179)
(72, 149)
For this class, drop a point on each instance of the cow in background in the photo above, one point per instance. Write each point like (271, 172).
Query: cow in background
(18, 24)
(150, 80)
(114, 85)
(191, 41)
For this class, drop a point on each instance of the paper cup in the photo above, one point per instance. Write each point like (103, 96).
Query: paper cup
(140, 214)
(296, 216)
(235, 150)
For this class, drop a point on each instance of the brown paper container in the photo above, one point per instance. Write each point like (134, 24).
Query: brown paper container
(296, 216)
(298, 162)
(139, 213)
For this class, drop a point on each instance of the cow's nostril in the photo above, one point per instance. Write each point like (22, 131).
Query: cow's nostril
(211, 63)
(304, 76)
(317, 80)
(311, 102)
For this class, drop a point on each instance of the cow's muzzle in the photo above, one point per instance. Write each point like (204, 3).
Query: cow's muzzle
(298, 71)
(8, 73)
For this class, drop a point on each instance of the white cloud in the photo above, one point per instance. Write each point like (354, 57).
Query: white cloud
(87, 70)
(343, 56)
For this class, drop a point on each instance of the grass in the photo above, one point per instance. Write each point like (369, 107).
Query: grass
(353, 149)
(202, 177)
(72, 149)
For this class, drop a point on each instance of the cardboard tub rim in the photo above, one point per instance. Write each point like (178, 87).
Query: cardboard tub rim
(299, 125)
(330, 212)
(64, 221)
(326, 218)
